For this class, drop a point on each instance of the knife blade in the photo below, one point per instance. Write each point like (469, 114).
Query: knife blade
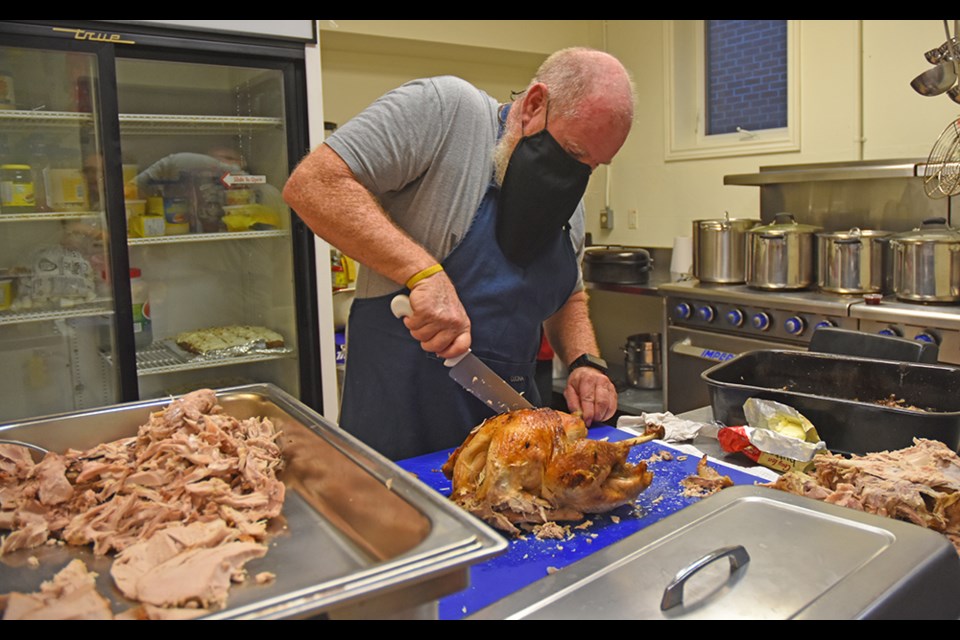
(472, 374)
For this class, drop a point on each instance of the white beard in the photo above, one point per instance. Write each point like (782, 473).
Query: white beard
(502, 153)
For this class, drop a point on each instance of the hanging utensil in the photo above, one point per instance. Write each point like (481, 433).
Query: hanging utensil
(942, 78)
(941, 173)
(937, 80)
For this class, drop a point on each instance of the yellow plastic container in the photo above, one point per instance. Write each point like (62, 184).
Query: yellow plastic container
(6, 293)
(130, 189)
(178, 228)
(248, 217)
(148, 226)
(135, 208)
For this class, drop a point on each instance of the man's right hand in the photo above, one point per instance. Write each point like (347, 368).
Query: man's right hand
(439, 321)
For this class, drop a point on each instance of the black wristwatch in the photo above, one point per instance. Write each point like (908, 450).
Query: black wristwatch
(587, 360)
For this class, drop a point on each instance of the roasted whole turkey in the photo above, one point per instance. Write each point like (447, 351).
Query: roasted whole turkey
(533, 466)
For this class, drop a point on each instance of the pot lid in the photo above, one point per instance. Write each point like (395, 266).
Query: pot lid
(726, 222)
(931, 230)
(781, 570)
(855, 234)
(619, 255)
(785, 224)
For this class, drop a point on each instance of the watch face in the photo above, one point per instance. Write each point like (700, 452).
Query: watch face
(588, 360)
(597, 361)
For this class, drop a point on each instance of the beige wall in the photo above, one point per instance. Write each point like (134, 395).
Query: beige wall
(855, 102)
(362, 59)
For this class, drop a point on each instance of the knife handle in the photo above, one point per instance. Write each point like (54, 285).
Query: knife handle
(400, 306)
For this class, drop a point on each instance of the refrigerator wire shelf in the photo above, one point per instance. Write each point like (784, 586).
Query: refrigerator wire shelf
(165, 357)
(157, 355)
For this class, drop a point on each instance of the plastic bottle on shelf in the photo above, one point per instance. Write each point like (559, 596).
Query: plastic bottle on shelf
(142, 325)
(338, 275)
(8, 98)
(40, 154)
(64, 182)
(16, 189)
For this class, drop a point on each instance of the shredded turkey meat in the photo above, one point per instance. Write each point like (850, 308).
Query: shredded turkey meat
(69, 595)
(705, 482)
(183, 505)
(918, 484)
(535, 466)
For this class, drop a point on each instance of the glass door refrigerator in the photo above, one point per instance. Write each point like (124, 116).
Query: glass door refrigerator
(145, 250)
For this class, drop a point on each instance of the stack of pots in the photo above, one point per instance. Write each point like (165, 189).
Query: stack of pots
(720, 249)
(926, 264)
(780, 255)
(853, 262)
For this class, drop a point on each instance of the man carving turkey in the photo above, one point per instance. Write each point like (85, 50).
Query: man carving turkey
(474, 209)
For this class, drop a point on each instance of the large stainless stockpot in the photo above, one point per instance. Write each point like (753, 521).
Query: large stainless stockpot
(720, 249)
(780, 255)
(926, 265)
(854, 261)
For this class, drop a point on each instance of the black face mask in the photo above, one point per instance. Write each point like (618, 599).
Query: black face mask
(541, 189)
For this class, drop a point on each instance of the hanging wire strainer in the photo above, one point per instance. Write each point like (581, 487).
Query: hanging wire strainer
(941, 174)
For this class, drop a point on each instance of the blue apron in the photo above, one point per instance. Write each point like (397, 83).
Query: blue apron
(401, 400)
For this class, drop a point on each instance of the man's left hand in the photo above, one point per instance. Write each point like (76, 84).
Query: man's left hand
(591, 392)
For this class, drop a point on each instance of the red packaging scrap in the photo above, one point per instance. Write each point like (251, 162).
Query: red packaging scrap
(778, 437)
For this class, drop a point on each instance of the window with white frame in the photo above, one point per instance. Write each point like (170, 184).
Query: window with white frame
(732, 87)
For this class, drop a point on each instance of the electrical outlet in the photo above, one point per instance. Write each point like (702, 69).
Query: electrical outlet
(606, 218)
(632, 219)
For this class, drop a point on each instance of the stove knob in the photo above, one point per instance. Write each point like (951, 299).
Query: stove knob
(735, 317)
(825, 323)
(890, 331)
(683, 311)
(706, 313)
(795, 325)
(927, 336)
(761, 321)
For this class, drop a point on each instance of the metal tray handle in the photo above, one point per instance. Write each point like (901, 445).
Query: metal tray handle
(673, 594)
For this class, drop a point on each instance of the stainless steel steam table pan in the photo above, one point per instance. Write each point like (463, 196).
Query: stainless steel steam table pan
(360, 537)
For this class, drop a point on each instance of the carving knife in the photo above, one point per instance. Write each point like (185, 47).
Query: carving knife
(472, 374)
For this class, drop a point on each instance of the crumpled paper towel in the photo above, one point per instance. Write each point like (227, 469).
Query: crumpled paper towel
(676, 429)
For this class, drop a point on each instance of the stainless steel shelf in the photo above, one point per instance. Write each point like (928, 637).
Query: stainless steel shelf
(208, 237)
(163, 357)
(16, 119)
(867, 170)
(165, 123)
(88, 310)
(49, 216)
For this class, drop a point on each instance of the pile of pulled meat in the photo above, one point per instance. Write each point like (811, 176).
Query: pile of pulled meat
(182, 506)
(918, 484)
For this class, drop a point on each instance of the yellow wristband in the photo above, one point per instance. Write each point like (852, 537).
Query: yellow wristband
(423, 275)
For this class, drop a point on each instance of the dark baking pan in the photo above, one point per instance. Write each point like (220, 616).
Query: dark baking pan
(617, 265)
(846, 398)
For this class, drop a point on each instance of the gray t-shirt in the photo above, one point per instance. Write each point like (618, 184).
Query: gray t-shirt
(425, 150)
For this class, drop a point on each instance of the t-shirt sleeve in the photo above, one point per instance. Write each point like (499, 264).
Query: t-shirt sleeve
(393, 141)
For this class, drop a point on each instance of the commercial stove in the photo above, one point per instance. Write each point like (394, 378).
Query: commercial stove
(706, 324)
(709, 323)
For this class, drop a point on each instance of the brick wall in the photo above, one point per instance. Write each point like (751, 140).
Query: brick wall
(746, 75)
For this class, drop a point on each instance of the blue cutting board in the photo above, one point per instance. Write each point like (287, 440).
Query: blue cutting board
(530, 559)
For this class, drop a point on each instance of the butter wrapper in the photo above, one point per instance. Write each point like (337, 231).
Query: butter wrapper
(779, 418)
(778, 437)
(770, 449)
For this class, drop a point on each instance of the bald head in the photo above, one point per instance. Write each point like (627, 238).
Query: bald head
(586, 97)
(580, 79)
